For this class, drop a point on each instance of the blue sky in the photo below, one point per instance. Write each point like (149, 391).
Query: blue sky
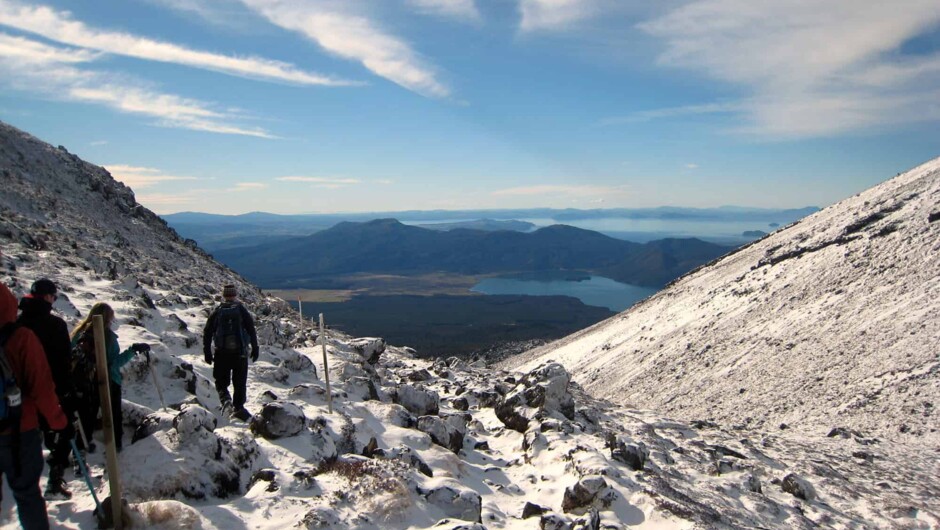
(292, 106)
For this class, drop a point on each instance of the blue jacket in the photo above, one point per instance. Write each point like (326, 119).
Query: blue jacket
(116, 358)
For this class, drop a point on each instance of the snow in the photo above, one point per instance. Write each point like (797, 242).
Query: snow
(366, 465)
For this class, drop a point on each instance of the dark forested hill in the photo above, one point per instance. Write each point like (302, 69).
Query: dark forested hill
(388, 246)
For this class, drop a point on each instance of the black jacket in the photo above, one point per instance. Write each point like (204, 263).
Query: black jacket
(248, 324)
(54, 336)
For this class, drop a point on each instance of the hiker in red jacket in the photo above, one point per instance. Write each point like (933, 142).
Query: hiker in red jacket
(21, 448)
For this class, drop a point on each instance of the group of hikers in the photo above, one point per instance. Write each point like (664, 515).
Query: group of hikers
(49, 386)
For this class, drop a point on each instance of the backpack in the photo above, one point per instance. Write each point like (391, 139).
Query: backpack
(83, 366)
(11, 398)
(229, 333)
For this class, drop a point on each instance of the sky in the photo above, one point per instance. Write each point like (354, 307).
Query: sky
(321, 106)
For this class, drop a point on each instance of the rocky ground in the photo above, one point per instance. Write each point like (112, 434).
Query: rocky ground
(409, 443)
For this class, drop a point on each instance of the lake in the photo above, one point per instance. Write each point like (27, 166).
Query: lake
(593, 290)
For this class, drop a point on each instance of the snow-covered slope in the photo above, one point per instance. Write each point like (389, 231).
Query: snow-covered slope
(831, 322)
(409, 443)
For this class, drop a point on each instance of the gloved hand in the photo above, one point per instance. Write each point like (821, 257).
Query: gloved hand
(66, 433)
(207, 354)
(140, 347)
(254, 355)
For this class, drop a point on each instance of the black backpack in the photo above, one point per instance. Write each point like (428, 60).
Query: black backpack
(84, 367)
(229, 333)
(11, 398)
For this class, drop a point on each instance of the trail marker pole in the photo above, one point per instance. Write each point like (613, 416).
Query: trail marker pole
(156, 382)
(326, 366)
(104, 390)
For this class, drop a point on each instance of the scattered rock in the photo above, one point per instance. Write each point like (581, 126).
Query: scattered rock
(462, 504)
(579, 497)
(798, 487)
(278, 420)
(418, 401)
(531, 510)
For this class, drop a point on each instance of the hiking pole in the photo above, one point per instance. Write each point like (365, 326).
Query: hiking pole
(156, 382)
(87, 477)
(81, 431)
(326, 367)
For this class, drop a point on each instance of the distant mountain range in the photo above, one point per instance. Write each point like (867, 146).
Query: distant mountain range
(214, 232)
(387, 246)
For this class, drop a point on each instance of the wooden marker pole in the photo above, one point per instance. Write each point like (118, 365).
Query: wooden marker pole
(104, 390)
(326, 366)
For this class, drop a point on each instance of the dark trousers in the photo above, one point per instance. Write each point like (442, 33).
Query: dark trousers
(232, 370)
(25, 484)
(117, 415)
(59, 447)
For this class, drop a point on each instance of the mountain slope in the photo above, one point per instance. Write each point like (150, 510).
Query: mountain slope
(405, 443)
(833, 321)
(388, 246)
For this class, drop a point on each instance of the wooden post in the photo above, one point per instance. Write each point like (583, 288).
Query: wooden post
(326, 366)
(104, 390)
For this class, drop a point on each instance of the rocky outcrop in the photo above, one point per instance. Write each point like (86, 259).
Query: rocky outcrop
(542, 393)
(279, 420)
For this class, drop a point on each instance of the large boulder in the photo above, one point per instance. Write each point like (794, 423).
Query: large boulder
(580, 497)
(278, 420)
(369, 348)
(419, 401)
(798, 486)
(634, 454)
(541, 393)
(460, 504)
(448, 432)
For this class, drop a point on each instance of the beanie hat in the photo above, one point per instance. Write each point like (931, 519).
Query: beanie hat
(229, 291)
(43, 287)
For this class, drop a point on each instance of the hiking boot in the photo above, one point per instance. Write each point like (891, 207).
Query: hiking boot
(57, 488)
(241, 414)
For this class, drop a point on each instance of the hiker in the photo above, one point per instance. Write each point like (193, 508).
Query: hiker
(231, 327)
(53, 334)
(83, 343)
(20, 438)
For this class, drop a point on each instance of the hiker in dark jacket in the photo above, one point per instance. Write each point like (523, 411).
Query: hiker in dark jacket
(53, 333)
(232, 329)
(21, 445)
(84, 332)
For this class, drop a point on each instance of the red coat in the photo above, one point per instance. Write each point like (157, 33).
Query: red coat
(29, 365)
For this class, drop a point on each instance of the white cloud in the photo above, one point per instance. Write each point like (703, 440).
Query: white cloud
(574, 191)
(673, 112)
(691, 166)
(813, 68)
(98, 143)
(60, 27)
(459, 9)
(324, 181)
(248, 186)
(141, 177)
(51, 72)
(355, 37)
(555, 14)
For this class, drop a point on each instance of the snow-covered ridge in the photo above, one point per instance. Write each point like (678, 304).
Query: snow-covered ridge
(831, 322)
(411, 443)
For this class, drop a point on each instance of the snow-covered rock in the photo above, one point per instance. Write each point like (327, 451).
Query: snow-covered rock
(420, 402)
(279, 419)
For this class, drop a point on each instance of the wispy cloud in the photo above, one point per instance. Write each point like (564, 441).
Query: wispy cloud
(555, 14)
(354, 36)
(141, 177)
(574, 191)
(98, 143)
(248, 186)
(813, 68)
(673, 112)
(327, 182)
(55, 73)
(59, 26)
(691, 166)
(458, 9)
